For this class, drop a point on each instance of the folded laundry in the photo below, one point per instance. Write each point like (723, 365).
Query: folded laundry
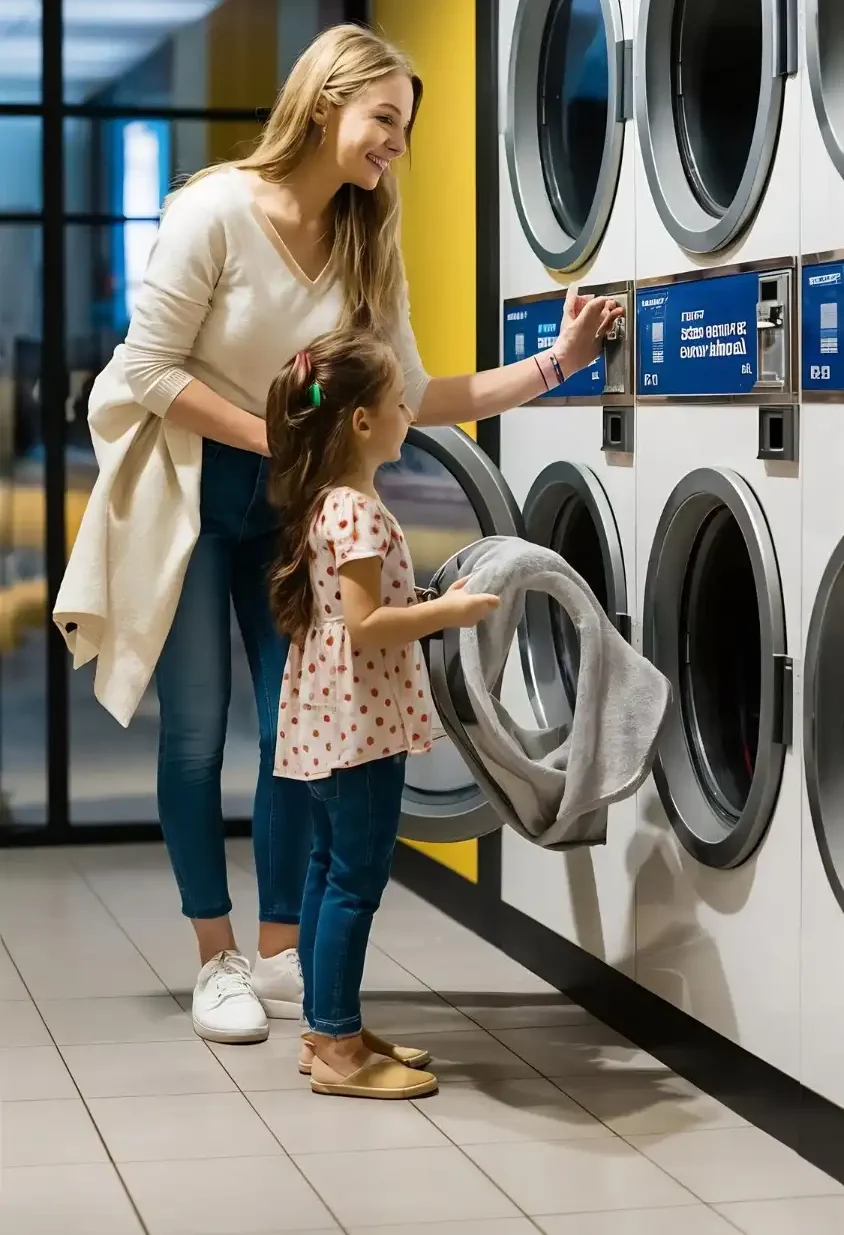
(553, 786)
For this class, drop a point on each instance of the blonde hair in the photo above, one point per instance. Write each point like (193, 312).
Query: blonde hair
(338, 66)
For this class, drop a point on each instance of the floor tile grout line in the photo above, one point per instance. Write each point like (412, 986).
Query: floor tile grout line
(462, 1150)
(289, 1155)
(82, 1099)
(120, 926)
(703, 1201)
(541, 1074)
(724, 1218)
(84, 877)
(167, 992)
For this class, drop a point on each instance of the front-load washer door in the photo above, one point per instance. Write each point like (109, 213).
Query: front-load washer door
(823, 719)
(568, 511)
(714, 623)
(825, 62)
(566, 94)
(709, 96)
(446, 494)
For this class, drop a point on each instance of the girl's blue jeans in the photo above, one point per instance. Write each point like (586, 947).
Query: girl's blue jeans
(356, 821)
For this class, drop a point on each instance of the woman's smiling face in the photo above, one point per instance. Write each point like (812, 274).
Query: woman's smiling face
(370, 131)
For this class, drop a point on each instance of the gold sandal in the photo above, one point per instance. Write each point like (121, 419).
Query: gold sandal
(410, 1056)
(383, 1078)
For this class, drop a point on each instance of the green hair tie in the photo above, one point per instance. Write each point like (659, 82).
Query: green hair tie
(315, 394)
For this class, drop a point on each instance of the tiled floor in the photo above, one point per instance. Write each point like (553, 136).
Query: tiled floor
(116, 1120)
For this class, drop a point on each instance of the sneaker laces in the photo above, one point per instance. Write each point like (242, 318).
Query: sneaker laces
(231, 976)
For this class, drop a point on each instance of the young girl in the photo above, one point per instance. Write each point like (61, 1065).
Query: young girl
(354, 699)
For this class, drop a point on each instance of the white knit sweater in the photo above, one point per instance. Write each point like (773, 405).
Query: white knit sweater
(223, 301)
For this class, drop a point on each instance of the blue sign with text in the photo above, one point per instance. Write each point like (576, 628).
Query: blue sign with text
(532, 326)
(823, 314)
(698, 338)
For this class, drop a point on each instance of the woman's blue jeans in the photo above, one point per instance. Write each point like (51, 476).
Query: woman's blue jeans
(356, 821)
(236, 546)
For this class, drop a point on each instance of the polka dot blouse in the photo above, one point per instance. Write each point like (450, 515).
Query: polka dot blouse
(342, 705)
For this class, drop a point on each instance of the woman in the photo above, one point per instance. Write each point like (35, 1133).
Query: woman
(252, 261)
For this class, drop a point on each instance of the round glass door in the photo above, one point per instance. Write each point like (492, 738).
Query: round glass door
(714, 623)
(446, 494)
(823, 720)
(709, 97)
(564, 132)
(825, 62)
(568, 511)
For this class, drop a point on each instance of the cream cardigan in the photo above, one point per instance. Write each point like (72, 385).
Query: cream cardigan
(223, 301)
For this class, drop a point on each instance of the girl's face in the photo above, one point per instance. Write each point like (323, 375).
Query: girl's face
(380, 431)
(369, 132)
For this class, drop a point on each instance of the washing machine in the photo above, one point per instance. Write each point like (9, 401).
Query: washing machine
(716, 860)
(445, 493)
(566, 214)
(823, 547)
(822, 205)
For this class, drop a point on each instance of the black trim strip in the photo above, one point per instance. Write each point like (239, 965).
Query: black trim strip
(769, 1099)
(106, 111)
(21, 109)
(487, 242)
(21, 218)
(27, 218)
(54, 387)
(487, 312)
(93, 219)
(20, 837)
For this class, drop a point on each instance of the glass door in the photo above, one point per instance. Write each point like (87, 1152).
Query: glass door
(103, 109)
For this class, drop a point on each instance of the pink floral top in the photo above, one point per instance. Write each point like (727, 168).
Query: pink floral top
(342, 705)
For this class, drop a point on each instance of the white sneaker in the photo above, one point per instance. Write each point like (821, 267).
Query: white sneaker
(277, 981)
(225, 1008)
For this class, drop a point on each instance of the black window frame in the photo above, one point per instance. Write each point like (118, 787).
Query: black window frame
(52, 220)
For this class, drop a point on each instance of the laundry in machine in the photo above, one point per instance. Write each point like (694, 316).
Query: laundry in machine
(446, 494)
(822, 180)
(567, 181)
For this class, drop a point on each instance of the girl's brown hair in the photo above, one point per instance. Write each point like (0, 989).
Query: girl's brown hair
(338, 66)
(309, 415)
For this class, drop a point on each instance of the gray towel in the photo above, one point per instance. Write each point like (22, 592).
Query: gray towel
(554, 785)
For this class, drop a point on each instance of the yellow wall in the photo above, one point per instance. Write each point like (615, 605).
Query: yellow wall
(241, 67)
(438, 218)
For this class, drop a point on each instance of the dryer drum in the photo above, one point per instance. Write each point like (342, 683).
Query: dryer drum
(714, 623)
(709, 99)
(446, 494)
(823, 719)
(565, 124)
(825, 62)
(568, 511)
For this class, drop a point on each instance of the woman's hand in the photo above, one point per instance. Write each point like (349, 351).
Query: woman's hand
(586, 320)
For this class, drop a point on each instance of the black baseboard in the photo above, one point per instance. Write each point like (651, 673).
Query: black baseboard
(760, 1093)
(22, 836)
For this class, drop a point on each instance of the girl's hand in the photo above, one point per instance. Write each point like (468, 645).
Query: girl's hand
(586, 320)
(465, 608)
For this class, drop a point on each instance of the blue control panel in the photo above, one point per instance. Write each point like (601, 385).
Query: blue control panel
(698, 337)
(823, 318)
(532, 326)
